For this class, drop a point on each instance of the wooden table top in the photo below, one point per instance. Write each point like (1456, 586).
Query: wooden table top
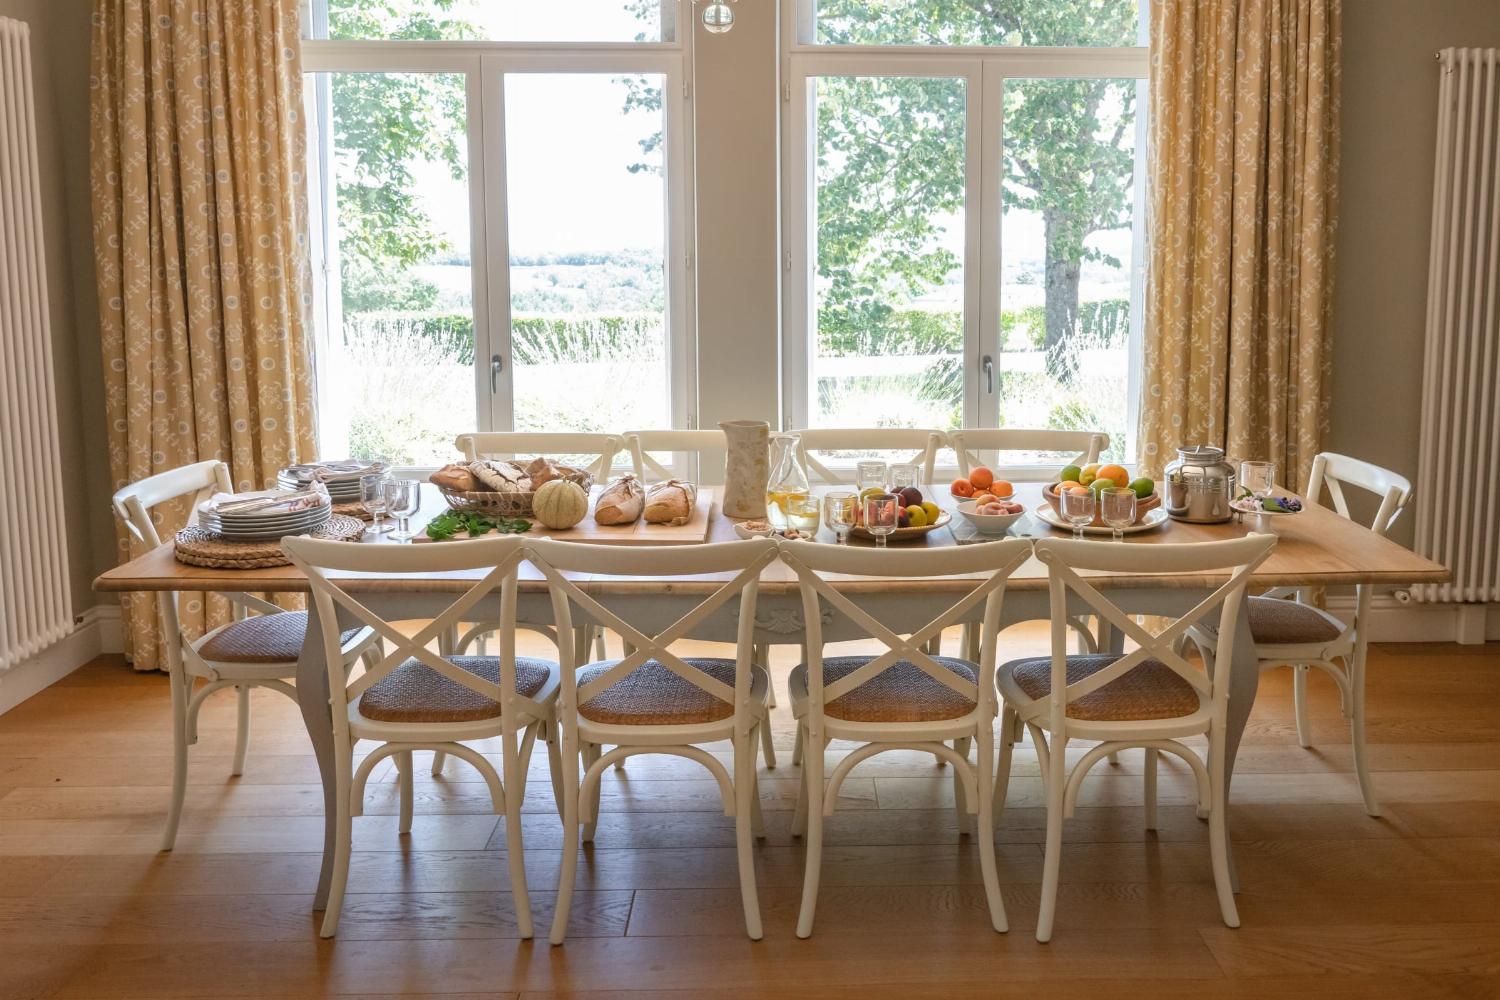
(1316, 548)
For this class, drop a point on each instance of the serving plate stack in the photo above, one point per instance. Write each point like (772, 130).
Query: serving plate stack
(340, 477)
(238, 520)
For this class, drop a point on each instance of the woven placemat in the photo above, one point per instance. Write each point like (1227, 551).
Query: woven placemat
(353, 510)
(199, 547)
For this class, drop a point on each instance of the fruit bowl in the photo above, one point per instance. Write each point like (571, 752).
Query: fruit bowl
(988, 524)
(905, 534)
(1142, 507)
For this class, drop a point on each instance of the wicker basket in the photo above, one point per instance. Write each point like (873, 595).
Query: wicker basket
(509, 504)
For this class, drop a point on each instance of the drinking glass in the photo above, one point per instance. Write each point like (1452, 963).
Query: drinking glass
(1117, 507)
(870, 475)
(903, 475)
(1078, 510)
(372, 499)
(838, 514)
(802, 514)
(882, 511)
(403, 498)
(1259, 478)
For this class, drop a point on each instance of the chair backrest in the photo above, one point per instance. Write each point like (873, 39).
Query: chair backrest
(923, 444)
(641, 444)
(1335, 471)
(813, 562)
(597, 450)
(1063, 558)
(497, 557)
(744, 560)
(969, 442)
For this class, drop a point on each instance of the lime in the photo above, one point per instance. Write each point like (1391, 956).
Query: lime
(1143, 487)
(916, 517)
(1070, 474)
(1100, 485)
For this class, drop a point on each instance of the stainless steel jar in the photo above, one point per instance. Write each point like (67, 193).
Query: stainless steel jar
(1200, 485)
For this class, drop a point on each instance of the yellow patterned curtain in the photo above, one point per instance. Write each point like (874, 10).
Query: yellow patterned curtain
(1244, 160)
(200, 227)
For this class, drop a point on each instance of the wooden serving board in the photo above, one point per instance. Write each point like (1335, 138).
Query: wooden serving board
(640, 533)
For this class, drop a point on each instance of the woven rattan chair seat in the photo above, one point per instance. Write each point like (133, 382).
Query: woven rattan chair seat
(903, 693)
(1149, 690)
(262, 639)
(1277, 622)
(652, 695)
(414, 692)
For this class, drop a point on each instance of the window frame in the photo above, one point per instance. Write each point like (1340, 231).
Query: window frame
(802, 60)
(484, 66)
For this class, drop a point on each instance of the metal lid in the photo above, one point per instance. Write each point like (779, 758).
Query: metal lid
(1201, 454)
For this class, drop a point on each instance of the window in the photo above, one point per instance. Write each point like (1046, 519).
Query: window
(503, 228)
(963, 214)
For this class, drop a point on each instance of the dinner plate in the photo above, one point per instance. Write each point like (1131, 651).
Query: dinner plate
(1251, 506)
(1150, 520)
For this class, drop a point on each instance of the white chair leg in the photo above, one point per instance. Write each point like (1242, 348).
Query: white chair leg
(767, 746)
(554, 766)
(797, 748)
(1357, 733)
(1002, 771)
(1218, 834)
(515, 849)
(1056, 779)
(439, 757)
(744, 837)
(1151, 757)
(568, 870)
(1299, 703)
(812, 782)
(242, 730)
(404, 768)
(799, 812)
(985, 823)
(591, 754)
(1114, 758)
(601, 647)
(343, 841)
(960, 803)
(180, 692)
(757, 818)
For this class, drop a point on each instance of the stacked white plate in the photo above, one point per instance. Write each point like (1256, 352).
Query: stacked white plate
(261, 524)
(341, 477)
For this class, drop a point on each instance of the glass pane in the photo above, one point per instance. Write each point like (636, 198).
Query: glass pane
(1067, 230)
(964, 22)
(587, 207)
(403, 349)
(888, 292)
(504, 20)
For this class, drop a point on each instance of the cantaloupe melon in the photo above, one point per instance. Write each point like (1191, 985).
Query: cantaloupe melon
(560, 504)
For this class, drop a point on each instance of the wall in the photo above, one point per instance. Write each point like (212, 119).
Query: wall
(1390, 88)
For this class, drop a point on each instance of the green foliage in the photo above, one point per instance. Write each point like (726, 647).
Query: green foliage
(535, 340)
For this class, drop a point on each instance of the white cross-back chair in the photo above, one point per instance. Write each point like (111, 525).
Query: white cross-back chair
(969, 443)
(653, 700)
(1151, 697)
(642, 444)
(415, 699)
(258, 650)
(1289, 631)
(903, 698)
(919, 445)
(598, 450)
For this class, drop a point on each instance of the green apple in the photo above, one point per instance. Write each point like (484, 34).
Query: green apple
(1143, 487)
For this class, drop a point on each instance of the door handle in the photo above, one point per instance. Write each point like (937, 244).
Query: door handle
(496, 365)
(988, 364)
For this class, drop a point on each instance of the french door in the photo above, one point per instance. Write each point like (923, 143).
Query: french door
(520, 264)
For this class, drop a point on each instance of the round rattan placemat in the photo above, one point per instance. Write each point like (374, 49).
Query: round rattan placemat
(199, 547)
(353, 510)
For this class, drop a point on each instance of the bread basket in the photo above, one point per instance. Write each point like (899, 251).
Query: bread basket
(1049, 493)
(512, 504)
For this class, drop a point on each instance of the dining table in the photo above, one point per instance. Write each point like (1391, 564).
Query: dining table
(1316, 548)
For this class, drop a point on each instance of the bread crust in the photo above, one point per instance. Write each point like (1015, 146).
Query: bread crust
(622, 502)
(671, 503)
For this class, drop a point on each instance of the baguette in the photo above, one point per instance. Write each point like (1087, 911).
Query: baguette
(621, 502)
(671, 503)
(455, 477)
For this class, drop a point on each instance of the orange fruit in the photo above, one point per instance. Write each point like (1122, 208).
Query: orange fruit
(1073, 488)
(1116, 473)
(962, 488)
(1001, 488)
(981, 478)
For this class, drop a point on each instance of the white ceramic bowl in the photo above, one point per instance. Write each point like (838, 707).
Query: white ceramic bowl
(989, 524)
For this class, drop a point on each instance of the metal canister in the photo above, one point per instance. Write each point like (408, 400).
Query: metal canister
(1200, 485)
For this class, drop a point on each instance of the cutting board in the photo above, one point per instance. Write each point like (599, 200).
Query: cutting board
(641, 533)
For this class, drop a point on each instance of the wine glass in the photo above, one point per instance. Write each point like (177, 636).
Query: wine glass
(870, 475)
(1117, 506)
(1259, 478)
(903, 475)
(1078, 510)
(403, 498)
(372, 498)
(882, 512)
(838, 514)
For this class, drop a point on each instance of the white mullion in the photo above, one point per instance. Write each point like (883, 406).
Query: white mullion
(799, 250)
(1140, 219)
(991, 255)
(975, 209)
(496, 394)
(680, 252)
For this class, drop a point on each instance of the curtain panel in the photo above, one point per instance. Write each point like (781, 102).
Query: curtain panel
(1244, 159)
(197, 150)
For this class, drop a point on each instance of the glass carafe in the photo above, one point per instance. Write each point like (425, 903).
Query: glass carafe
(788, 480)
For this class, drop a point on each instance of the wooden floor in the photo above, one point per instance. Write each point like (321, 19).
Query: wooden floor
(1334, 904)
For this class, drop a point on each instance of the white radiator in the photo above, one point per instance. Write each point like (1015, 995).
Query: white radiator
(1458, 504)
(35, 603)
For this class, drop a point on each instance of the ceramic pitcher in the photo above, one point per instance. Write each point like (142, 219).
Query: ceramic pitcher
(745, 467)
